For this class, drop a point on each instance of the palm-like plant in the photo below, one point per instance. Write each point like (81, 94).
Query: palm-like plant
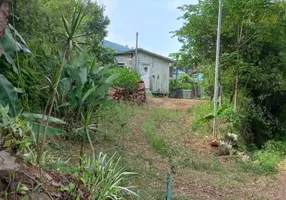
(70, 35)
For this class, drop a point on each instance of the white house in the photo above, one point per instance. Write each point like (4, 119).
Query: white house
(154, 68)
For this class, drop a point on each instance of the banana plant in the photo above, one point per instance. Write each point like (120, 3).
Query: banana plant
(212, 116)
(84, 84)
(8, 93)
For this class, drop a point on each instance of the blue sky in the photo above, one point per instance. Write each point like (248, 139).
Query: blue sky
(153, 19)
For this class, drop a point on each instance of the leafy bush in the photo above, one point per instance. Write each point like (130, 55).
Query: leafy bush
(126, 78)
(186, 86)
(174, 83)
(273, 153)
(185, 78)
(184, 81)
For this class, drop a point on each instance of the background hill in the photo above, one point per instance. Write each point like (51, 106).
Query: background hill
(115, 46)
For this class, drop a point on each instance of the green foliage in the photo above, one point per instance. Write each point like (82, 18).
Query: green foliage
(84, 84)
(50, 131)
(126, 78)
(174, 83)
(38, 22)
(255, 168)
(249, 51)
(71, 30)
(198, 112)
(104, 178)
(32, 116)
(12, 129)
(271, 155)
(9, 96)
(210, 117)
(185, 81)
(11, 46)
(48, 159)
(185, 78)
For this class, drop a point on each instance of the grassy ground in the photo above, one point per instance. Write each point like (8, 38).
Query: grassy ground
(160, 134)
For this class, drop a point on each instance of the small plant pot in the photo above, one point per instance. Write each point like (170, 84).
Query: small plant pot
(179, 93)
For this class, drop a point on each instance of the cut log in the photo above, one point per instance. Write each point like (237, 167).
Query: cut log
(118, 93)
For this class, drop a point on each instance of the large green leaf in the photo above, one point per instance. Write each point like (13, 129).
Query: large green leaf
(32, 116)
(50, 130)
(10, 46)
(8, 96)
(88, 93)
(111, 78)
(205, 119)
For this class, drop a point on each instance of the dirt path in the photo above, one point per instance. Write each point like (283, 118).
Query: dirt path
(172, 103)
(196, 184)
(200, 174)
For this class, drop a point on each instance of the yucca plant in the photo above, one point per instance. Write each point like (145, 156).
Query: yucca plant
(104, 178)
(70, 35)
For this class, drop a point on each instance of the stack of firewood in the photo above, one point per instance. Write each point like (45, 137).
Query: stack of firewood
(140, 93)
(118, 93)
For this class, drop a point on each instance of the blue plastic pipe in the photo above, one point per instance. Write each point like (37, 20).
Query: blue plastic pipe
(169, 185)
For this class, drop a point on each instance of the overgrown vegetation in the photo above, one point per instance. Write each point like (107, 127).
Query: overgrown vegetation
(55, 114)
(73, 79)
(126, 78)
(251, 73)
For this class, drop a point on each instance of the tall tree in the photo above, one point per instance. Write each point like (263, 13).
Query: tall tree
(253, 52)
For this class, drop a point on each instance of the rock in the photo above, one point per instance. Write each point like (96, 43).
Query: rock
(7, 162)
(8, 166)
(214, 143)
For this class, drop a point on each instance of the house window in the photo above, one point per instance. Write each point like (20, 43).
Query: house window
(120, 64)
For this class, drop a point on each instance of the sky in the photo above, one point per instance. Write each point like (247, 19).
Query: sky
(153, 19)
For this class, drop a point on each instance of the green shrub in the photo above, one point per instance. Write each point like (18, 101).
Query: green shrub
(185, 78)
(267, 160)
(126, 79)
(256, 168)
(174, 83)
(184, 81)
(186, 86)
(276, 147)
(271, 155)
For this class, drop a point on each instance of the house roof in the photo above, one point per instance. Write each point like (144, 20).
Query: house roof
(147, 52)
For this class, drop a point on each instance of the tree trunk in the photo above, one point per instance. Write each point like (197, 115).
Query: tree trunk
(220, 96)
(236, 90)
(239, 41)
(4, 13)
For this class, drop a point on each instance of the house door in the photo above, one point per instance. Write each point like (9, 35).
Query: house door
(145, 75)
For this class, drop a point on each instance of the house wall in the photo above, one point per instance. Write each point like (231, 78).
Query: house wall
(126, 59)
(158, 70)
